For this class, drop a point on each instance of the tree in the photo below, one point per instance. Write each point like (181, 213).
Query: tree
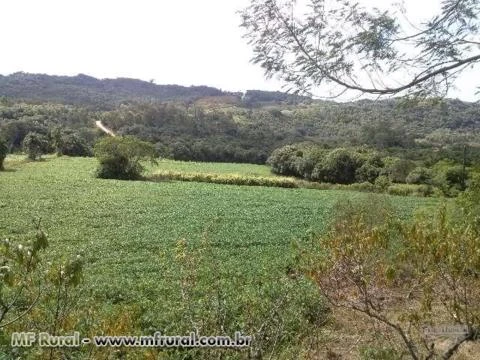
(3, 152)
(120, 157)
(35, 144)
(340, 166)
(372, 51)
(72, 145)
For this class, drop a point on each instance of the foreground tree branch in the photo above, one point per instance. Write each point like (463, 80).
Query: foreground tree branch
(351, 48)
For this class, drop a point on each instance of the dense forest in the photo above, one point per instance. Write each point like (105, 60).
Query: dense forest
(207, 124)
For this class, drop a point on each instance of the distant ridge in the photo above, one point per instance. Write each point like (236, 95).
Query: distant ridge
(108, 93)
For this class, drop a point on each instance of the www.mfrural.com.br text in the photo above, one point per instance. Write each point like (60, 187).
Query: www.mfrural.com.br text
(44, 339)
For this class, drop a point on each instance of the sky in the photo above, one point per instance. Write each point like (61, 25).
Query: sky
(185, 42)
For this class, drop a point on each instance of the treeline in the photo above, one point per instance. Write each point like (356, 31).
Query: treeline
(211, 130)
(363, 165)
(47, 128)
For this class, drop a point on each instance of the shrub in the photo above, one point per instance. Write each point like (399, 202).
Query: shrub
(367, 172)
(120, 157)
(73, 145)
(469, 202)
(410, 190)
(283, 160)
(398, 169)
(420, 175)
(403, 275)
(456, 177)
(3, 152)
(382, 183)
(450, 178)
(35, 145)
(340, 166)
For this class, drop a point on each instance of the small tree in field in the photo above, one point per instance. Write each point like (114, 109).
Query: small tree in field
(35, 145)
(3, 153)
(120, 157)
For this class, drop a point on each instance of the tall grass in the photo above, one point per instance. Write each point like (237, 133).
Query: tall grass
(229, 179)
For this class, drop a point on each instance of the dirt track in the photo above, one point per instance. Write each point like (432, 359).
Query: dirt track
(103, 128)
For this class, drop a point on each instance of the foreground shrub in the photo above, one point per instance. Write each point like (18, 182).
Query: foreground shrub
(282, 311)
(470, 204)
(36, 295)
(402, 275)
(120, 157)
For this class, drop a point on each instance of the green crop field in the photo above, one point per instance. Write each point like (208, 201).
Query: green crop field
(128, 231)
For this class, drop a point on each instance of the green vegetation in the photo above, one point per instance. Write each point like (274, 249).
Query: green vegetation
(3, 152)
(403, 274)
(365, 166)
(35, 145)
(186, 253)
(376, 52)
(229, 179)
(215, 126)
(164, 256)
(119, 157)
(213, 168)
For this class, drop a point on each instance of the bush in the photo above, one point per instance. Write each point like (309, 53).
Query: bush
(3, 153)
(35, 145)
(382, 183)
(398, 170)
(455, 176)
(120, 157)
(410, 190)
(469, 202)
(367, 172)
(340, 167)
(73, 145)
(420, 175)
(402, 274)
(283, 160)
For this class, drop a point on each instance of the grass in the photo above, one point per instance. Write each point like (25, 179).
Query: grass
(128, 229)
(227, 179)
(260, 175)
(212, 168)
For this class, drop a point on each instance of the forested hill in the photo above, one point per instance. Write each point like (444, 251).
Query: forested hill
(108, 93)
(207, 124)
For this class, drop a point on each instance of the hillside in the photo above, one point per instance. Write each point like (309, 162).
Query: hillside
(207, 124)
(108, 93)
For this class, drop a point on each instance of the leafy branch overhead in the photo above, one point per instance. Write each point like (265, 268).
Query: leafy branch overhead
(313, 43)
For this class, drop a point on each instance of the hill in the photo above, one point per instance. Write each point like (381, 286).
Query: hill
(108, 93)
(207, 124)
